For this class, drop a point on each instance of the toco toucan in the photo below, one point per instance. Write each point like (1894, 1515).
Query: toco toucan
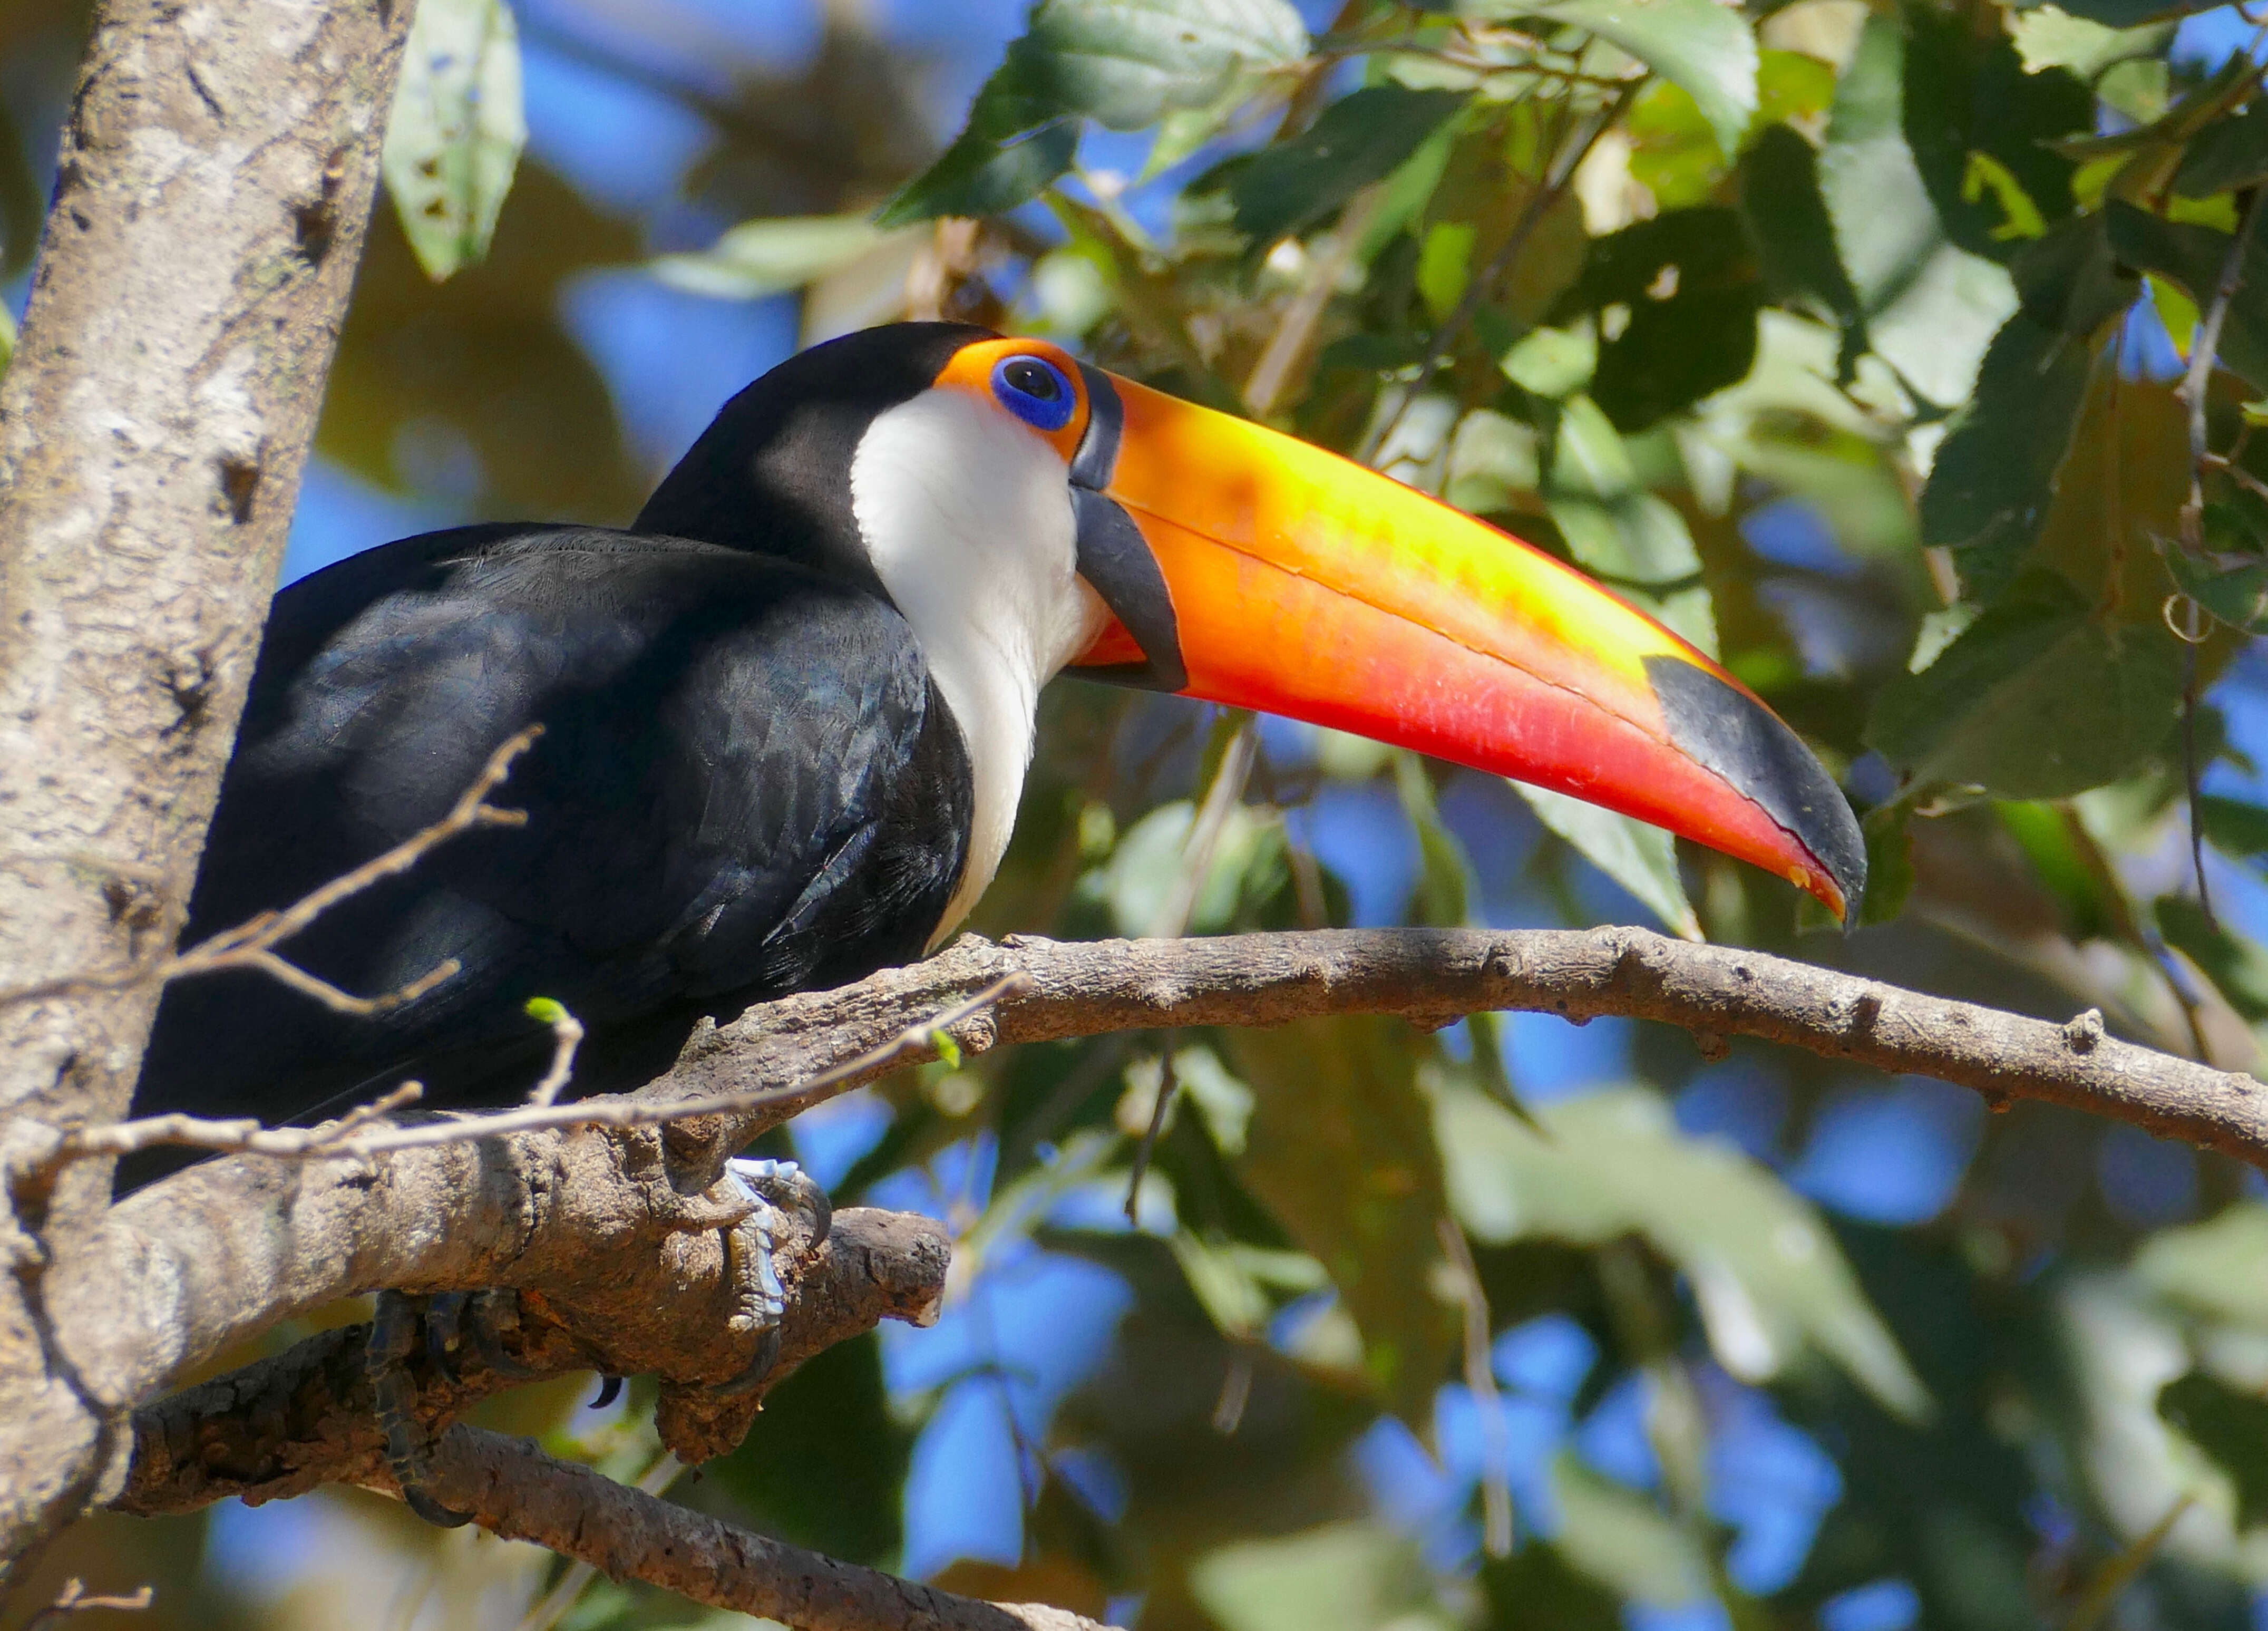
(787, 714)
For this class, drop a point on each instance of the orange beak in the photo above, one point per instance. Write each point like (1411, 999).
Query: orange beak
(1248, 568)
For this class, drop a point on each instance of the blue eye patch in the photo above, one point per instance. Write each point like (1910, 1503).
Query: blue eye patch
(1036, 391)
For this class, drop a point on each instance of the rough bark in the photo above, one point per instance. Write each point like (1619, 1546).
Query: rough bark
(214, 179)
(282, 1426)
(517, 1491)
(1435, 975)
(218, 1253)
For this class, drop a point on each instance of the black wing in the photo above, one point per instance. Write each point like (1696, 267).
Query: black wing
(746, 785)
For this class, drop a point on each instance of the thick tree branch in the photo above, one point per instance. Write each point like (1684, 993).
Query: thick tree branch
(517, 1491)
(281, 1427)
(214, 181)
(1435, 975)
(220, 1252)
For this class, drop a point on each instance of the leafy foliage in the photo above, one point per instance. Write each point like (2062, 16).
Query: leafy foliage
(1846, 340)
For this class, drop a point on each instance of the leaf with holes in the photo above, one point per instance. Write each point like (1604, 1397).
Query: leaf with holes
(1707, 49)
(1357, 140)
(1126, 64)
(458, 126)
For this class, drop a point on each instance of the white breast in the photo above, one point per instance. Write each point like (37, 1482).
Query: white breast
(967, 516)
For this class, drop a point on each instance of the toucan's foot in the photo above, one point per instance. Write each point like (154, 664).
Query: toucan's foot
(760, 1300)
(456, 1321)
(409, 1447)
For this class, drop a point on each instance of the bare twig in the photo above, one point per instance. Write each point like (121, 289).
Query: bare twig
(252, 944)
(244, 1136)
(74, 1599)
(566, 1037)
(346, 1138)
(1480, 1379)
(515, 1490)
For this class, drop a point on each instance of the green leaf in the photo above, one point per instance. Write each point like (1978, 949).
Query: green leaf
(2237, 595)
(1994, 474)
(2232, 1430)
(2193, 257)
(831, 1410)
(1346, 1577)
(1357, 140)
(1889, 861)
(1767, 1274)
(980, 175)
(758, 258)
(1931, 308)
(1691, 284)
(2048, 36)
(456, 132)
(1553, 362)
(2235, 827)
(2133, 13)
(2210, 1271)
(2035, 699)
(1641, 858)
(1967, 99)
(1707, 49)
(1787, 219)
(2227, 154)
(1341, 1151)
(1624, 1540)
(1127, 63)
(545, 1010)
(2237, 968)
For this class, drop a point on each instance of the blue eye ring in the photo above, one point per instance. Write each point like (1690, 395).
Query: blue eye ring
(1036, 391)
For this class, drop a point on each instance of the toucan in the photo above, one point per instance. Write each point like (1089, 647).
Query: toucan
(788, 712)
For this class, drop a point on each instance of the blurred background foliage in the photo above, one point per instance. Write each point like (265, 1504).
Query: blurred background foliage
(1856, 340)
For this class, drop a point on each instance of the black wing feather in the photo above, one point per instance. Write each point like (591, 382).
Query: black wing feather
(746, 785)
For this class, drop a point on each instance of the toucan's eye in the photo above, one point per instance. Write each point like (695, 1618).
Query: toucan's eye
(1036, 391)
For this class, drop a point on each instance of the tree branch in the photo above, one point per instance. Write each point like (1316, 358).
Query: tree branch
(515, 1490)
(211, 1256)
(282, 1426)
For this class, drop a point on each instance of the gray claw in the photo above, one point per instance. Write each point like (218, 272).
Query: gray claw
(785, 1184)
(408, 1450)
(445, 1330)
(761, 1300)
(494, 1313)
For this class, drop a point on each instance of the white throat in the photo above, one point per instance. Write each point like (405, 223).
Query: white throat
(967, 517)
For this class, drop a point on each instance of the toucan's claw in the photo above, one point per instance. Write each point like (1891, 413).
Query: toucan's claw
(493, 1312)
(444, 1332)
(610, 1389)
(409, 1447)
(759, 1301)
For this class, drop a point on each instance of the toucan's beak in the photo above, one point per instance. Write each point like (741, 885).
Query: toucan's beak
(1248, 568)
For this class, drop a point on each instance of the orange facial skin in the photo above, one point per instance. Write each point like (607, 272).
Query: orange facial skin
(1307, 585)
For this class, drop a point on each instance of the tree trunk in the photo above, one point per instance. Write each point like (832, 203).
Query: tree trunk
(214, 182)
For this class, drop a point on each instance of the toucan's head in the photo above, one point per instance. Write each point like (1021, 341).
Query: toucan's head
(1040, 513)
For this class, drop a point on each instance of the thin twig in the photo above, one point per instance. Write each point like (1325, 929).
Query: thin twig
(1480, 1379)
(75, 1599)
(566, 1037)
(252, 944)
(341, 1139)
(2205, 349)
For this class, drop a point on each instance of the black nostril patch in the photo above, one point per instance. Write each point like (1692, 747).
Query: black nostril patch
(1744, 742)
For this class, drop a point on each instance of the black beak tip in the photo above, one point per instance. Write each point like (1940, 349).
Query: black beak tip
(1745, 743)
